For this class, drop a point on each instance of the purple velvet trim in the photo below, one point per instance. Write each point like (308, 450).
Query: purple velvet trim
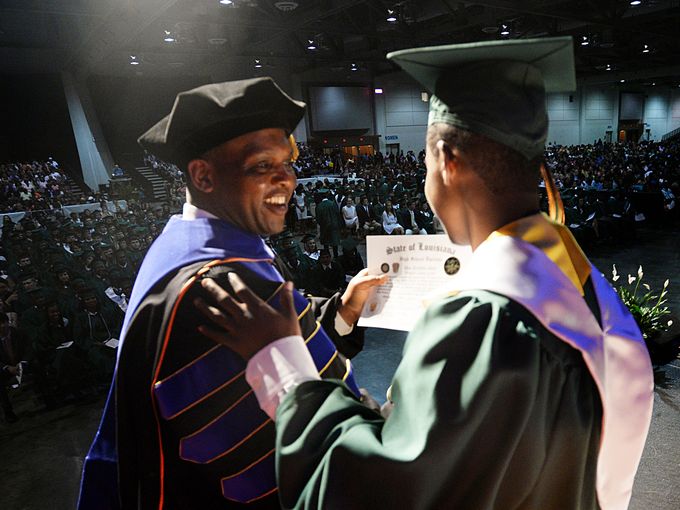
(224, 433)
(193, 382)
(252, 483)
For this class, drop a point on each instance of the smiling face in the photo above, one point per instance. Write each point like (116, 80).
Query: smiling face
(249, 181)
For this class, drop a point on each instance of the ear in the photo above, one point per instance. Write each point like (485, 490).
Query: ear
(447, 161)
(201, 174)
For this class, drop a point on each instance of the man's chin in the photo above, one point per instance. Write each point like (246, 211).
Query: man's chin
(273, 229)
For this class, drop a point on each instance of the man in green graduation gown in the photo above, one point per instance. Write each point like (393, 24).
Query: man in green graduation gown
(328, 217)
(528, 384)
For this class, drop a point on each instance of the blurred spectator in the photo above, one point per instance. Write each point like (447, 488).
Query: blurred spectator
(350, 261)
(389, 220)
(329, 219)
(407, 218)
(117, 171)
(327, 277)
(95, 324)
(14, 349)
(349, 214)
(367, 219)
(310, 249)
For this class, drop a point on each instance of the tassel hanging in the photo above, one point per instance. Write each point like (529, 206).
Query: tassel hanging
(555, 205)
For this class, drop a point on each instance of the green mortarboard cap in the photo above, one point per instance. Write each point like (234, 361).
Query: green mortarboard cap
(496, 88)
(207, 116)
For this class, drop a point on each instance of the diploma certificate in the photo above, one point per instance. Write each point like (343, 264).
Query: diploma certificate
(417, 266)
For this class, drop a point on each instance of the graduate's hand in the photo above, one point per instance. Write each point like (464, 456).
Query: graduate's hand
(356, 294)
(249, 325)
(387, 409)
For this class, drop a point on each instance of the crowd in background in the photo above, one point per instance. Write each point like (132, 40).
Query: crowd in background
(64, 286)
(33, 185)
(65, 280)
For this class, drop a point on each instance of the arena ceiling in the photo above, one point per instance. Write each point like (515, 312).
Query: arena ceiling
(639, 43)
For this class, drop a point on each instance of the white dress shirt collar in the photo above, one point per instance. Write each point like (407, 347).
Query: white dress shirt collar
(191, 212)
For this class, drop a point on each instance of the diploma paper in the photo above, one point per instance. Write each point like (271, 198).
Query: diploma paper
(417, 267)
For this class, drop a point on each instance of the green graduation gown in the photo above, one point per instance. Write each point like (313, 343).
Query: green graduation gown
(498, 403)
(328, 218)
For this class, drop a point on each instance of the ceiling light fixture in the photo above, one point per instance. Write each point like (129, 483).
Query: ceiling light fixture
(635, 3)
(133, 60)
(226, 2)
(609, 67)
(378, 90)
(354, 67)
(286, 5)
(645, 49)
(168, 36)
(391, 16)
(310, 44)
(585, 41)
(258, 64)
(505, 30)
(622, 80)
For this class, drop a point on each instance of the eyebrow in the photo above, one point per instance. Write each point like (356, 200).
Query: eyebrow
(255, 147)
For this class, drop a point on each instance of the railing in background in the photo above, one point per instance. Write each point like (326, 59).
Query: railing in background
(68, 209)
(671, 134)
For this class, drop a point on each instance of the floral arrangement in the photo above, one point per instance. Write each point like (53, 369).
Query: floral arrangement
(648, 309)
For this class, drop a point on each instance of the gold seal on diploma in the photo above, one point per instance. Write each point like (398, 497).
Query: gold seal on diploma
(451, 265)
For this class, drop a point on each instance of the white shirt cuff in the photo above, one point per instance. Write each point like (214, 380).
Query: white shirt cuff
(277, 369)
(341, 327)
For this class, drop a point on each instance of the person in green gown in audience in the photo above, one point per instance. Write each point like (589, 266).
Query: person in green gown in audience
(95, 324)
(526, 385)
(62, 368)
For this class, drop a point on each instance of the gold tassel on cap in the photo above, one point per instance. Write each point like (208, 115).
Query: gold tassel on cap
(555, 205)
(293, 145)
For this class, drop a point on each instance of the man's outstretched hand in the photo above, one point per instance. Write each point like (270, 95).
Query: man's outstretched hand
(247, 326)
(358, 290)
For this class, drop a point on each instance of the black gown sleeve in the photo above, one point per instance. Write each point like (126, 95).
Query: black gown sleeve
(325, 310)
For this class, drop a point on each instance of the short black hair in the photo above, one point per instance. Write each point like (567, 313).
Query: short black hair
(501, 168)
